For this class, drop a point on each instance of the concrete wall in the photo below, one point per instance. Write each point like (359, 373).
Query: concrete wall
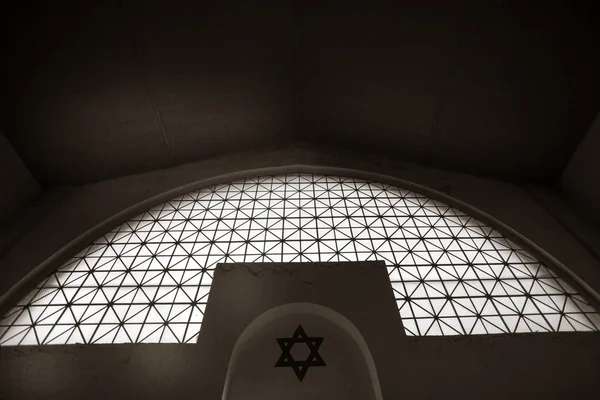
(560, 365)
(564, 366)
(505, 88)
(581, 178)
(17, 183)
(524, 366)
(86, 212)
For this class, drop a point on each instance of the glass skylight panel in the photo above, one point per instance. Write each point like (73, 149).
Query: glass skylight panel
(148, 280)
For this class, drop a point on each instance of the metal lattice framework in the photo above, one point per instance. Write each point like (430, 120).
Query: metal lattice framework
(149, 279)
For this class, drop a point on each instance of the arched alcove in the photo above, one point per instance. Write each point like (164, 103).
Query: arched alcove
(350, 370)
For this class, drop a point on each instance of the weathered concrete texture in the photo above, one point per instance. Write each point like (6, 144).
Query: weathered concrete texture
(565, 366)
(89, 211)
(497, 88)
(526, 366)
(17, 183)
(581, 179)
(469, 85)
(163, 83)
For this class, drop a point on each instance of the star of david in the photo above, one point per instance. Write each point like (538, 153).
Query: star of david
(286, 359)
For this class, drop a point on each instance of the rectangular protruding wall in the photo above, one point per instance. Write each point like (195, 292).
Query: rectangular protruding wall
(17, 185)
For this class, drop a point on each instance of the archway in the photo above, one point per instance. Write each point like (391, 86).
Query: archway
(350, 366)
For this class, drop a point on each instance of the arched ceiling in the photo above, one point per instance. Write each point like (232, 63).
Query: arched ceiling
(98, 89)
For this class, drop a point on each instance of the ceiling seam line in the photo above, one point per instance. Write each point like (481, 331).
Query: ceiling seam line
(295, 71)
(449, 74)
(155, 108)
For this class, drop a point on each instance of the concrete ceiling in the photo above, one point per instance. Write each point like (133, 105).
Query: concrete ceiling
(98, 89)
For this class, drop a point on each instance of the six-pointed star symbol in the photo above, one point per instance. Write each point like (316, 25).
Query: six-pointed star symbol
(286, 359)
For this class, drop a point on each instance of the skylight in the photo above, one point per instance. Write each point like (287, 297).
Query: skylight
(148, 280)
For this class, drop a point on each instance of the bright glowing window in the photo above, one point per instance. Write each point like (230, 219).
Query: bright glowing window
(148, 280)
